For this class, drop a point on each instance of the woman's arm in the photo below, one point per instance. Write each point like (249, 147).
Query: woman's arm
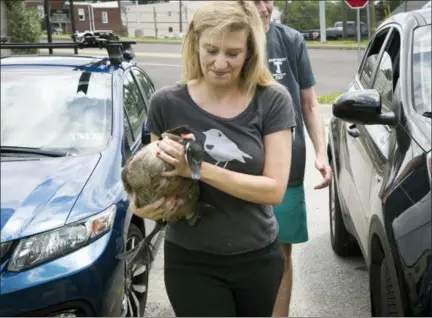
(266, 189)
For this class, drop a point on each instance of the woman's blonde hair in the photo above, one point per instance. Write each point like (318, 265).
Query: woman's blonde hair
(220, 17)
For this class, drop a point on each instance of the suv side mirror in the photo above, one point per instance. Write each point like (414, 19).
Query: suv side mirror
(145, 135)
(362, 107)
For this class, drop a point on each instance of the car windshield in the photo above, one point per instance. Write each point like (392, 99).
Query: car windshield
(422, 69)
(55, 109)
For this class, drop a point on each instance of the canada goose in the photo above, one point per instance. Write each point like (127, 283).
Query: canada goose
(142, 180)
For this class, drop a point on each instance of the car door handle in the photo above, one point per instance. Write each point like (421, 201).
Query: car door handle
(353, 131)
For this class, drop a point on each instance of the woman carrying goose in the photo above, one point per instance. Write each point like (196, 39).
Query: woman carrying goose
(230, 262)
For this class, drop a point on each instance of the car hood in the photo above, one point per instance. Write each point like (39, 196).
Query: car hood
(38, 195)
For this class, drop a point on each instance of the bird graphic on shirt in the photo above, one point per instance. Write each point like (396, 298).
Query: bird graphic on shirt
(222, 149)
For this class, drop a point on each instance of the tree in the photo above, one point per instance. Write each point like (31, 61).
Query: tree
(23, 25)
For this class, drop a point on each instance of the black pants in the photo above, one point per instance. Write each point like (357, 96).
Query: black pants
(201, 284)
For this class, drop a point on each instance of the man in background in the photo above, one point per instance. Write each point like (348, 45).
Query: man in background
(290, 65)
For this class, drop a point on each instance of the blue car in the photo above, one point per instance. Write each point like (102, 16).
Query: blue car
(68, 125)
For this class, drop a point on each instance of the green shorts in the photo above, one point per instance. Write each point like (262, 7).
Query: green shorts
(291, 216)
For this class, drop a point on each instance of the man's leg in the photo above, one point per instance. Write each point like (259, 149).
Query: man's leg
(291, 216)
(281, 307)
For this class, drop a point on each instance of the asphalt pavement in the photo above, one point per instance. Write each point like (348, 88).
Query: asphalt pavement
(333, 69)
(324, 284)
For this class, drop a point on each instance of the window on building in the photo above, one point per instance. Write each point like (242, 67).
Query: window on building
(104, 17)
(81, 14)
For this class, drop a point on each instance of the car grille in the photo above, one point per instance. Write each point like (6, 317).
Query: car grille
(5, 248)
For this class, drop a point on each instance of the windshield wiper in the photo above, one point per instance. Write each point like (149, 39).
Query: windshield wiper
(32, 151)
(427, 114)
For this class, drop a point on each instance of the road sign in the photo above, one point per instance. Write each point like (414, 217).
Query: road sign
(356, 4)
(59, 15)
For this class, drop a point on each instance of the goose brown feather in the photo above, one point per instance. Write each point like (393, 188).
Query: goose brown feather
(141, 176)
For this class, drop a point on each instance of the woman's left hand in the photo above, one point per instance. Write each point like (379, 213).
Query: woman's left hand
(173, 153)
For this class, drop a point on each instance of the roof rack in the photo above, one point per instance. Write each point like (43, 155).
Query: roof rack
(118, 51)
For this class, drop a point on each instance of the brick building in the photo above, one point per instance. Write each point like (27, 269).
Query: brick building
(88, 16)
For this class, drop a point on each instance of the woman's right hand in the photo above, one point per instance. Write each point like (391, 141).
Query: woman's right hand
(158, 210)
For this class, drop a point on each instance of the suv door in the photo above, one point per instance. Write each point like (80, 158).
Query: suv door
(382, 139)
(358, 162)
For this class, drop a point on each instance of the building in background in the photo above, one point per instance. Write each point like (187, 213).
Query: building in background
(88, 15)
(163, 20)
(97, 16)
(160, 20)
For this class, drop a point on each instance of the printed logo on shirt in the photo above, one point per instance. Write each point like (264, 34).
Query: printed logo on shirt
(222, 149)
(277, 67)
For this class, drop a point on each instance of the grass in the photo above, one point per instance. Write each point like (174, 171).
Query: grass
(344, 43)
(341, 43)
(328, 99)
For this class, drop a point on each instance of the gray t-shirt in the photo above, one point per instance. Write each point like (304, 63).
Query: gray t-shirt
(228, 225)
(289, 63)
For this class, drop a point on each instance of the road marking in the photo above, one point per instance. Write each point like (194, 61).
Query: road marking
(104, 53)
(137, 54)
(159, 64)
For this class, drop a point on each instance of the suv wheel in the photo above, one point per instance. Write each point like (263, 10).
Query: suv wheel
(136, 280)
(341, 240)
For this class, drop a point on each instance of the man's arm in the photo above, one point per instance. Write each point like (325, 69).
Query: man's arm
(311, 114)
(313, 120)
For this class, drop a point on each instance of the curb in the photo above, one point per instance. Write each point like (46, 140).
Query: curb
(175, 42)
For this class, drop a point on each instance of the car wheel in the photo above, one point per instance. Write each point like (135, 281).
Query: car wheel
(341, 240)
(389, 305)
(136, 280)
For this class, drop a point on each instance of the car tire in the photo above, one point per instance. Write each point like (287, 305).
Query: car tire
(341, 240)
(389, 304)
(136, 279)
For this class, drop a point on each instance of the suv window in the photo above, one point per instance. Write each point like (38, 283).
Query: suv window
(421, 69)
(384, 81)
(388, 71)
(134, 104)
(371, 62)
(145, 83)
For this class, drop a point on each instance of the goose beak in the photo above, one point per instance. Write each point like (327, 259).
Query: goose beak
(194, 157)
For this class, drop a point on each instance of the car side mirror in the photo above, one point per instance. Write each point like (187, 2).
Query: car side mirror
(363, 107)
(145, 135)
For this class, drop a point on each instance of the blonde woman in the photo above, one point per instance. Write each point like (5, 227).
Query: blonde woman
(230, 263)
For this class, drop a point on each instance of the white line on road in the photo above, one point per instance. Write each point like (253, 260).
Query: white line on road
(102, 52)
(138, 54)
(159, 64)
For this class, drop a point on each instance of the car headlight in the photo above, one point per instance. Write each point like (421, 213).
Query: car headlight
(46, 246)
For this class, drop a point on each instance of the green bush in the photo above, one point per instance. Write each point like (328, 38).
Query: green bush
(23, 25)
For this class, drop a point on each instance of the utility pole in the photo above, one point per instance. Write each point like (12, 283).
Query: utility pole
(373, 16)
(285, 15)
(323, 35)
(344, 19)
(72, 13)
(368, 19)
(48, 24)
(181, 16)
